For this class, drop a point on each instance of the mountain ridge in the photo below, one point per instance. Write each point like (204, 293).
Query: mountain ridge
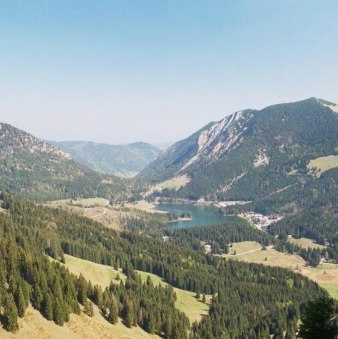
(231, 158)
(34, 169)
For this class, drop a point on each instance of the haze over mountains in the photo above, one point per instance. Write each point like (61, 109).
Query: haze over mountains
(249, 155)
(122, 160)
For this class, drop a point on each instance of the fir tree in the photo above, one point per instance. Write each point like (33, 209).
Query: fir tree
(113, 311)
(48, 307)
(88, 308)
(10, 313)
(20, 302)
(319, 320)
(58, 315)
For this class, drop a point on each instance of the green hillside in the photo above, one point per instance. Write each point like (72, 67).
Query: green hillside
(247, 298)
(34, 169)
(251, 154)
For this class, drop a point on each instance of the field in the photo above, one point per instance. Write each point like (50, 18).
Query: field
(325, 274)
(306, 243)
(83, 202)
(186, 301)
(174, 183)
(103, 275)
(96, 209)
(34, 325)
(323, 164)
(143, 205)
(251, 251)
(98, 274)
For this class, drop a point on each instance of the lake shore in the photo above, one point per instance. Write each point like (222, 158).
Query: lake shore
(200, 202)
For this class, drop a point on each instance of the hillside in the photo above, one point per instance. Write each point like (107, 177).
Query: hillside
(252, 154)
(122, 160)
(34, 169)
(247, 298)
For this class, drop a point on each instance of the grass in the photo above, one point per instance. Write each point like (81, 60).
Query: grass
(143, 205)
(186, 301)
(103, 275)
(306, 243)
(82, 202)
(323, 164)
(331, 288)
(174, 183)
(326, 274)
(98, 274)
(34, 325)
(251, 251)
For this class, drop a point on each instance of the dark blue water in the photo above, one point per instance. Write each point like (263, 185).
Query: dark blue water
(201, 215)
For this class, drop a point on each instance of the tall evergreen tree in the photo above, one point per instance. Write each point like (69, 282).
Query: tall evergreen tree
(10, 313)
(113, 311)
(20, 302)
(319, 320)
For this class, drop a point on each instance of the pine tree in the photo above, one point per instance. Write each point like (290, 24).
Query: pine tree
(128, 314)
(88, 308)
(10, 313)
(20, 302)
(58, 313)
(319, 320)
(113, 311)
(48, 307)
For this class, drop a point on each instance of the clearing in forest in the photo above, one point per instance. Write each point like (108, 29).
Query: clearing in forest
(103, 275)
(323, 164)
(306, 243)
(325, 274)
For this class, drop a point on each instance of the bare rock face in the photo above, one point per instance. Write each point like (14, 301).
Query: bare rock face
(250, 153)
(223, 136)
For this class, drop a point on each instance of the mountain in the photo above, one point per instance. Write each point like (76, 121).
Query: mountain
(252, 154)
(32, 168)
(122, 160)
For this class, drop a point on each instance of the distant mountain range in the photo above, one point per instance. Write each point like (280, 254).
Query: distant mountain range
(122, 160)
(32, 168)
(252, 154)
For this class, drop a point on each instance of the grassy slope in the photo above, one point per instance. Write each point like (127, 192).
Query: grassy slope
(306, 243)
(186, 301)
(325, 274)
(323, 164)
(98, 274)
(34, 325)
(103, 275)
(82, 202)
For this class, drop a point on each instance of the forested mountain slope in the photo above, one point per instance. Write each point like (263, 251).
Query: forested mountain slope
(32, 168)
(251, 154)
(123, 160)
(248, 299)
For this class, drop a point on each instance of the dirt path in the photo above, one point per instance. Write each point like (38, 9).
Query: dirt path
(258, 249)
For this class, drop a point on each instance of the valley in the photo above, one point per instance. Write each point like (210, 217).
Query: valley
(122, 160)
(168, 169)
(209, 229)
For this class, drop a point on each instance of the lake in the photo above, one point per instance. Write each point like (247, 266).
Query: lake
(202, 215)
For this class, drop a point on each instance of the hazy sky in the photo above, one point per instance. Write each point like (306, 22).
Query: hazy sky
(123, 71)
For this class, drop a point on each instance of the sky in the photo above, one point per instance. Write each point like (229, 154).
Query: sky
(156, 71)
